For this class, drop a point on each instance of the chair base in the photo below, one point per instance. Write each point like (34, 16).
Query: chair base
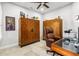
(51, 52)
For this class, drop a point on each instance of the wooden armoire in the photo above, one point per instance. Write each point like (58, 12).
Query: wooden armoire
(56, 25)
(29, 31)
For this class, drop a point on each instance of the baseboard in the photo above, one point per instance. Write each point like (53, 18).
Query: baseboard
(28, 43)
(8, 46)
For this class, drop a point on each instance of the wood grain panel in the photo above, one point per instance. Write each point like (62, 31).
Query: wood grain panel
(31, 30)
(24, 33)
(56, 25)
(28, 31)
(37, 29)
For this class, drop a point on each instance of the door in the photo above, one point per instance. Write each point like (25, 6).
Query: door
(56, 25)
(37, 30)
(31, 31)
(24, 37)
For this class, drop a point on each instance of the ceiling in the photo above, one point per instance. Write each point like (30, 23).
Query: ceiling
(33, 6)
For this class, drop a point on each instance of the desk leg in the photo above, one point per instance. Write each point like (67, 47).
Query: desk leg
(54, 53)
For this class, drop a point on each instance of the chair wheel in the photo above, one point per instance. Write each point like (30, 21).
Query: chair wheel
(47, 51)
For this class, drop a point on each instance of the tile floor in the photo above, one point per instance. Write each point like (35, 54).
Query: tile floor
(35, 49)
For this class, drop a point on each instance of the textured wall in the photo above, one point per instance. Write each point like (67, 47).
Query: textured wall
(8, 9)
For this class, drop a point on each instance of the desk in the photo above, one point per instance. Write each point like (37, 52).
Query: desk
(58, 47)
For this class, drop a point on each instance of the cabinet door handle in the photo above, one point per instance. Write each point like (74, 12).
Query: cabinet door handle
(32, 30)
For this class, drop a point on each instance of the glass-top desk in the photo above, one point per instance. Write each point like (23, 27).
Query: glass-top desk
(65, 47)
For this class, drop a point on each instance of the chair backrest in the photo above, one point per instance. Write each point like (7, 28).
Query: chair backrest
(56, 24)
(49, 30)
(49, 33)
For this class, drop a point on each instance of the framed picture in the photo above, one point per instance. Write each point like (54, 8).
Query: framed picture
(10, 23)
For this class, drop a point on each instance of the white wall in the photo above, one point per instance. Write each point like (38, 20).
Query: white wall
(75, 12)
(0, 13)
(0, 20)
(11, 37)
(75, 9)
(66, 15)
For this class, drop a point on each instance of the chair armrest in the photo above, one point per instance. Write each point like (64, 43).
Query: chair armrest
(57, 37)
(50, 40)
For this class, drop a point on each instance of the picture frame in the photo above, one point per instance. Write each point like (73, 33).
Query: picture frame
(10, 23)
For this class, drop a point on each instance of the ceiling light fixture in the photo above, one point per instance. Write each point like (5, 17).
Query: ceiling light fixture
(42, 9)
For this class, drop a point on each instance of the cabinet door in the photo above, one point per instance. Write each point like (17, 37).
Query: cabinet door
(37, 30)
(44, 33)
(31, 31)
(56, 25)
(24, 37)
